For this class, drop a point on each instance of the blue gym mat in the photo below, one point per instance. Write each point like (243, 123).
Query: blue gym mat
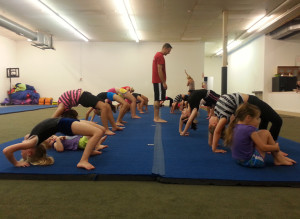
(21, 108)
(145, 150)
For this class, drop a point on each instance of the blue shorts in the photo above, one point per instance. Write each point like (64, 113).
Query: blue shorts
(255, 161)
(110, 96)
(64, 126)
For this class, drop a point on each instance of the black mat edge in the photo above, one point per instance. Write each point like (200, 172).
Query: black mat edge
(220, 182)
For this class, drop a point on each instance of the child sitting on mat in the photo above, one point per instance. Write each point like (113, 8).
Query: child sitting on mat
(248, 145)
(74, 143)
(49, 127)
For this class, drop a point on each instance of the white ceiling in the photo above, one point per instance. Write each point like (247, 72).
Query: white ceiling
(157, 20)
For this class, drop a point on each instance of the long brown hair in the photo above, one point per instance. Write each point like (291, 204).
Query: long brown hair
(244, 110)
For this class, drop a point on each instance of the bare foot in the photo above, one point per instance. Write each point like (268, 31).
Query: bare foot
(100, 147)
(85, 165)
(141, 112)
(119, 124)
(117, 129)
(283, 153)
(108, 132)
(95, 152)
(283, 161)
(135, 117)
(123, 121)
(159, 120)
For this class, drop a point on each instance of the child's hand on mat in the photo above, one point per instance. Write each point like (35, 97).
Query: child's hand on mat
(22, 164)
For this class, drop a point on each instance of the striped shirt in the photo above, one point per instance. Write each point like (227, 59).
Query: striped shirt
(227, 105)
(70, 99)
(178, 98)
(211, 99)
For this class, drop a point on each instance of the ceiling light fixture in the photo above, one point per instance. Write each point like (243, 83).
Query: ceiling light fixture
(125, 10)
(230, 46)
(261, 22)
(61, 20)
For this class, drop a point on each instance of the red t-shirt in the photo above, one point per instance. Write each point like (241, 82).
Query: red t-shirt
(158, 59)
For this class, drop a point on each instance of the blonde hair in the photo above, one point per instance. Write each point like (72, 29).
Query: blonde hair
(40, 156)
(244, 110)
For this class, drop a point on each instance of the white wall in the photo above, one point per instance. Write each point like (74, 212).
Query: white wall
(7, 60)
(280, 53)
(105, 65)
(213, 68)
(246, 68)
(252, 67)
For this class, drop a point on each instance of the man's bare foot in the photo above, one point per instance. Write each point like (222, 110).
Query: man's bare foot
(108, 132)
(85, 165)
(100, 147)
(96, 152)
(283, 161)
(141, 112)
(117, 129)
(160, 120)
(123, 121)
(135, 117)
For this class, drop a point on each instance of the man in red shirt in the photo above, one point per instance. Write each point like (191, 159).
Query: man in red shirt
(159, 79)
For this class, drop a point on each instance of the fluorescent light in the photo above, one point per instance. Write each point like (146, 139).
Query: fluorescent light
(259, 23)
(61, 20)
(230, 46)
(124, 8)
(233, 45)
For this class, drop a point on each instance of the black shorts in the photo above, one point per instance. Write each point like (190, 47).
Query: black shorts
(102, 96)
(136, 95)
(159, 92)
(88, 100)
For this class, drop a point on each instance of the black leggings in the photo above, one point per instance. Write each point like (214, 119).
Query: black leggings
(267, 115)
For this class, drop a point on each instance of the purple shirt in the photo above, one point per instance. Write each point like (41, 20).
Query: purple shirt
(71, 142)
(242, 146)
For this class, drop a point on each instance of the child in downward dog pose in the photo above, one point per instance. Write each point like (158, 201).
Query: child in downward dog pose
(73, 98)
(125, 93)
(49, 127)
(200, 97)
(142, 101)
(248, 145)
(107, 98)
